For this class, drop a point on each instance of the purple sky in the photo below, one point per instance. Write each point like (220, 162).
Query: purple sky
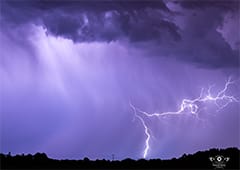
(69, 69)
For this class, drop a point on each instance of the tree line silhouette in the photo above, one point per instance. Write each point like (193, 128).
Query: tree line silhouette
(199, 160)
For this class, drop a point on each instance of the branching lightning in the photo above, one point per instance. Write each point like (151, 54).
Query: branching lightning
(187, 106)
(147, 131)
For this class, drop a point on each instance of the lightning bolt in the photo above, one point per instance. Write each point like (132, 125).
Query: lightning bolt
(147, 131)
(187, 106)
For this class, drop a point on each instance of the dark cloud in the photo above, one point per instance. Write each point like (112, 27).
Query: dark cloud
(149, 23)
(230, 5)
(87, 21)
(90, 5)
(201, 42)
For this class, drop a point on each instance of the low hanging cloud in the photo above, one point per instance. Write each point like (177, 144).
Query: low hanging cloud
(202, 43)
(231, 5)
(187, 31)
(84, 21)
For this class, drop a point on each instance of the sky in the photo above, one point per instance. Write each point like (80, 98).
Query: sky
(70, 71)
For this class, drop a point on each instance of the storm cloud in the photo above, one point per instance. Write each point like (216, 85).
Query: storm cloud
(163, 30)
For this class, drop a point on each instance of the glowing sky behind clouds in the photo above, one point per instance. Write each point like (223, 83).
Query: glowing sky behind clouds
(65, 86)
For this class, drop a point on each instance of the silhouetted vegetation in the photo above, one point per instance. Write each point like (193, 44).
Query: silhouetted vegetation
(199, 160)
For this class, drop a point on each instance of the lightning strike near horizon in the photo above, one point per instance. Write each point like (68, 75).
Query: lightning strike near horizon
(188, 106)
(146, 130)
